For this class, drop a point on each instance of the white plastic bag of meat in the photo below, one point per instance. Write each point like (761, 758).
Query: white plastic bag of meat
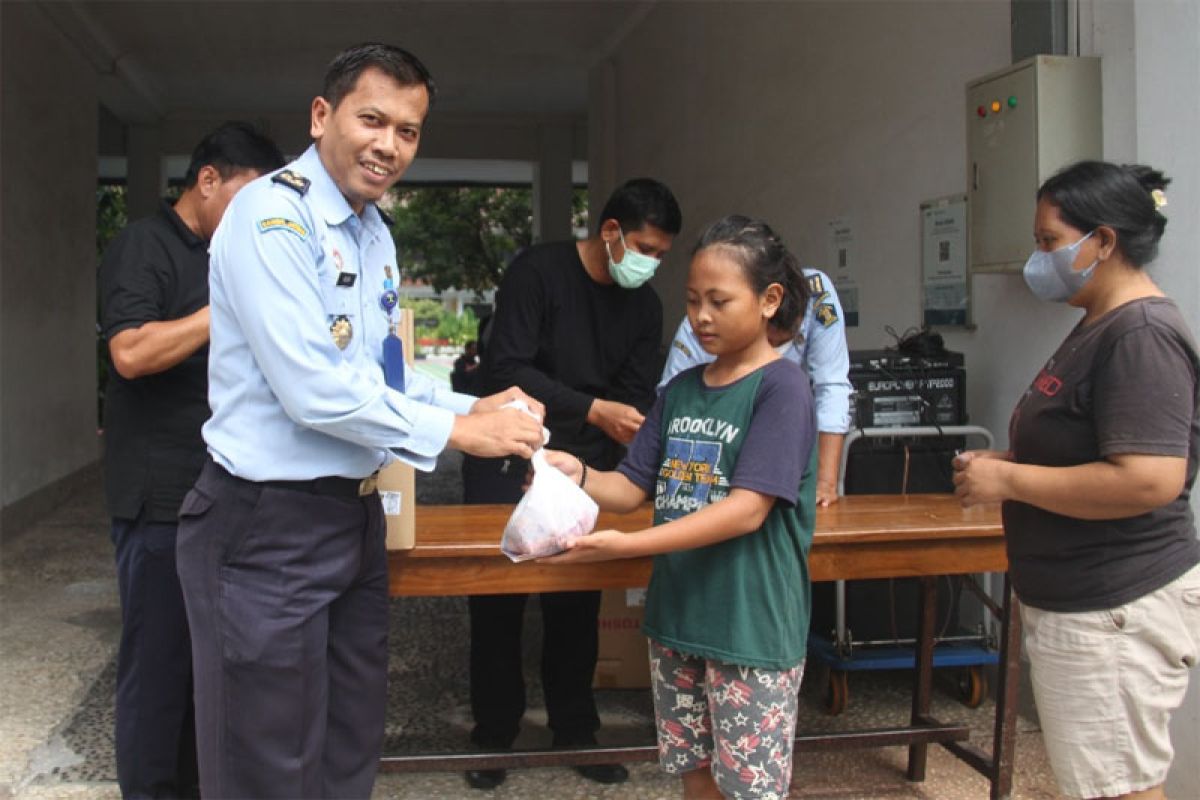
(553, 512)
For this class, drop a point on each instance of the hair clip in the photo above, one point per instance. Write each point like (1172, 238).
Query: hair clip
(1160, 199)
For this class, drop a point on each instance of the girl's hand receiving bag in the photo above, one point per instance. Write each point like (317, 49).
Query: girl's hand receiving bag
(553, 512)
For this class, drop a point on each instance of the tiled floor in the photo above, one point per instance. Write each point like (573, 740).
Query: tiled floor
(59, 623)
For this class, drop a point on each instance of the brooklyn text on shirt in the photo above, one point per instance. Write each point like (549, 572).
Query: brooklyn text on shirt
(715, 428)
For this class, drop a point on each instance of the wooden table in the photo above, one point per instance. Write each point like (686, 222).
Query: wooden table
(862, 536)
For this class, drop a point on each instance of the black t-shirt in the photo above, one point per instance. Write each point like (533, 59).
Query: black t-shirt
(462, 377)
(156, 269)
(567, 340)
(1126, 384)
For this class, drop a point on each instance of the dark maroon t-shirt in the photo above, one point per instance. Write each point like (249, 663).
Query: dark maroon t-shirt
(1125, 384)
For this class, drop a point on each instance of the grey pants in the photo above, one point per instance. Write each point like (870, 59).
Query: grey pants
(286, 595)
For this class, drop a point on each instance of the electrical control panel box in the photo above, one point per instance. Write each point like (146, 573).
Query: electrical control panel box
(1024, 123)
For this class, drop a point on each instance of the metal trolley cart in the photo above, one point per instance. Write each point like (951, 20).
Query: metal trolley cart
(968, 650)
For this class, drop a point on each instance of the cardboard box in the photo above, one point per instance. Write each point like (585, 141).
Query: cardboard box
(397, 481)
(624, 661)
(397, 490)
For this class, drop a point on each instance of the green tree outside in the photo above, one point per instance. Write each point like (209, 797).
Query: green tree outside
(462, 237)
(432, 322)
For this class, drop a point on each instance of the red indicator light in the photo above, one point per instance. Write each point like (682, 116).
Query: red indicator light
(981, 111)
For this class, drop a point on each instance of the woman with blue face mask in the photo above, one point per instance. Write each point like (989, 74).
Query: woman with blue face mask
(1101, 543)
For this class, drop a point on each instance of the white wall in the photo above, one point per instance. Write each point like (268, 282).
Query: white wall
(47, 255)
(804, 112)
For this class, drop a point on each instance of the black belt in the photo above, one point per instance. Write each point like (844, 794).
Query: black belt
(333, 486)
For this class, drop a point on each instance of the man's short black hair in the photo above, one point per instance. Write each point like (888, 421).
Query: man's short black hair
(396, 62)
(643, 201)
(231, 148)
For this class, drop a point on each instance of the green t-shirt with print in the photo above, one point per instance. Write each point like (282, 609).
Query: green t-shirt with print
(745, 600)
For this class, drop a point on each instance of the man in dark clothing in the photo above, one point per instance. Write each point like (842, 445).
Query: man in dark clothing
(154, 290)
(578, 328)
(463, 374)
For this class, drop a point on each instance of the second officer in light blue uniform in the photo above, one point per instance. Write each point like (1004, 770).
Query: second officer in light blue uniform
(281, 550)
(819, 346)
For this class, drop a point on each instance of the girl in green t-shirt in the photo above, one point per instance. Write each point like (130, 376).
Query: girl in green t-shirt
(726, 453)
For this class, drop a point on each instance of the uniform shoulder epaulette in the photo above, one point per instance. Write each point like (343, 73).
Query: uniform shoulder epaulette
(293, 180)
(815, 285)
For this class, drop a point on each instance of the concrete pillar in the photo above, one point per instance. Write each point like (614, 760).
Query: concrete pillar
(146, 179)
(602, 138)
(552, 184)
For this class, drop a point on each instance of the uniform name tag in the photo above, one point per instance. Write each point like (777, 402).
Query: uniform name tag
(347, 278)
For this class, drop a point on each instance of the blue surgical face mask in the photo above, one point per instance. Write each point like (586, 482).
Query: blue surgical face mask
(1050, 277)
(633, 269)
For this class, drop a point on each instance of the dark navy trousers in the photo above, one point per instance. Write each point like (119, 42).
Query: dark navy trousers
(155, 731)
(569, 640)
(286, 594)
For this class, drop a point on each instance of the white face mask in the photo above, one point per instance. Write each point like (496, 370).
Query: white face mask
(633, 269)
(1050, 277)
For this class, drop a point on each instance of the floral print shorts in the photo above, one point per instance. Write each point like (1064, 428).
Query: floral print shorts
(737, 721)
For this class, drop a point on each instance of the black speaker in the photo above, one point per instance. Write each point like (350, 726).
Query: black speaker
(902, 465)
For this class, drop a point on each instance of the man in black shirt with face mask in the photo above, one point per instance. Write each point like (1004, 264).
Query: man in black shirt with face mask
(578, 328)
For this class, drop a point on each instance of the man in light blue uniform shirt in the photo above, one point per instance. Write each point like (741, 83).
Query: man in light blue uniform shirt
(281, 550)
(820, 348)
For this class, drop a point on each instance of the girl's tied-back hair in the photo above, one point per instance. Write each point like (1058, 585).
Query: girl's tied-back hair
(1126, 198)
(764, 259)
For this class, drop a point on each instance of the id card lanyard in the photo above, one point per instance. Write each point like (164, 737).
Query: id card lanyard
(393, 348)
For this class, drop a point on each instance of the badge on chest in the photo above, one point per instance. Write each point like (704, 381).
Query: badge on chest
(342, 331)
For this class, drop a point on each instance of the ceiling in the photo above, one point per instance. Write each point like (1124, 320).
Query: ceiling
(164, 60)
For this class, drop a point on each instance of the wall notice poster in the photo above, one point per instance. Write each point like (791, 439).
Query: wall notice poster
(840, 266)
(945, 291)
